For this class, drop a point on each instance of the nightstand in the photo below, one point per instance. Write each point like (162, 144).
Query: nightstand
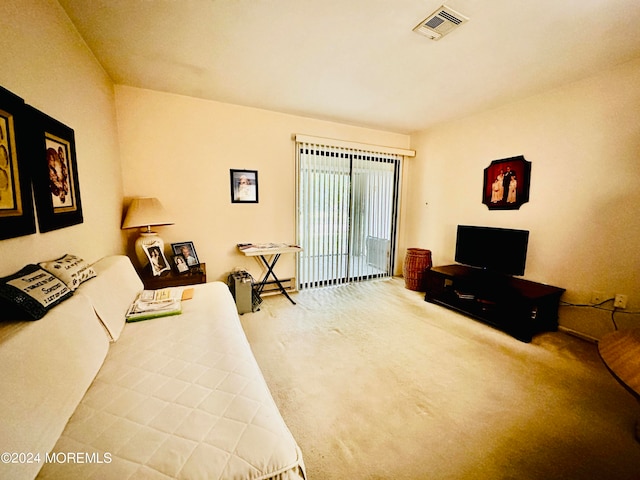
(171, 279)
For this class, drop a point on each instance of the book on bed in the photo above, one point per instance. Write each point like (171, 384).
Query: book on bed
(155, 303)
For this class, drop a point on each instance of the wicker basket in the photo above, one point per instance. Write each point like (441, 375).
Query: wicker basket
(416, 262)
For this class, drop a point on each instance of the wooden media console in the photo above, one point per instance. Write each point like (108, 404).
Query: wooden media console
(516, 306)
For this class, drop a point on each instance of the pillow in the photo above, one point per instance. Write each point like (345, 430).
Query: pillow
(30, 293)
(70, 269)
(112, 292)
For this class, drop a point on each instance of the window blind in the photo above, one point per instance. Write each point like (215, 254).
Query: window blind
(347, 203)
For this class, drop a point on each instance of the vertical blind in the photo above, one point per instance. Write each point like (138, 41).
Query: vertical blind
(347, 213)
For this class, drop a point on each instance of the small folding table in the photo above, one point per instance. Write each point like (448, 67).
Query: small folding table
(269, 254)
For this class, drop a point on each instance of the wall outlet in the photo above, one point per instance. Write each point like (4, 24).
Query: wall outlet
(620, 301)
(597, 297)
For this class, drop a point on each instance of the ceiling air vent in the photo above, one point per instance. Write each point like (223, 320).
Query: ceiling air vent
(440, 22)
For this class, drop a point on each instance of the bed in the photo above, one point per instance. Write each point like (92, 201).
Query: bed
(172, 397)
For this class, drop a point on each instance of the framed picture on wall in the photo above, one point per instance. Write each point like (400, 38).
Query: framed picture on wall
(244, 186)
(506, 183)
(16, 207)
(56, 188)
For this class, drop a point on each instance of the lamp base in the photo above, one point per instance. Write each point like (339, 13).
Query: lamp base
(147, 239)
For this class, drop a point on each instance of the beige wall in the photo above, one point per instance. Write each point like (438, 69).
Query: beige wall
(181, 149)
(584, 143)
(45, 62)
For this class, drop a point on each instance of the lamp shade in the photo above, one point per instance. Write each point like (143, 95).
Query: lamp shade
(145, 212)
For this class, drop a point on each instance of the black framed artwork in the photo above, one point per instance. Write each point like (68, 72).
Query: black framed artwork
(244, 186)
(16, 207)
(54, 170)
(506, 183)
(188, 252)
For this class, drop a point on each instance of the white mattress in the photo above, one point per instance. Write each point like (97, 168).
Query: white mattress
(180, 397)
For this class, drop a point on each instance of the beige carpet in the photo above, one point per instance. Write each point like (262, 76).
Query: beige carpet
(375, 383)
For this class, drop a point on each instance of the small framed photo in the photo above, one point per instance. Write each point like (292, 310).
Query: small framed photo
(180, 264)
(156, 257)
(188, 252)
(244, 186)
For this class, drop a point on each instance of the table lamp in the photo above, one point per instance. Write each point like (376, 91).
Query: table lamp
(143, 213)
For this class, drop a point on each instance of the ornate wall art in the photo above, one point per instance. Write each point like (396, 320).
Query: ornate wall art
(506, 183)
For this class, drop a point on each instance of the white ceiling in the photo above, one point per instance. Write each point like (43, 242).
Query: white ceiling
(356, 61)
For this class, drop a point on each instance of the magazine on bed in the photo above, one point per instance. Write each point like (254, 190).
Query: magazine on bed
(155, 303)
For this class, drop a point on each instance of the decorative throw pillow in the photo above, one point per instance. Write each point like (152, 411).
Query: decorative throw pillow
(30, 293)
(70, 269)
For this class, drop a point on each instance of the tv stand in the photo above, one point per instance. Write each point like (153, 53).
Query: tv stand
(516, 306)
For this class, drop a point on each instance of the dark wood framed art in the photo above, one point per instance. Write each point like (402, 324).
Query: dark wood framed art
(16, 207)
(506, 183)
(54, 168)
(244, 186)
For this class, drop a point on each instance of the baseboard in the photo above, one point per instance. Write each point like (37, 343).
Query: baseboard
(575, 333)
(271, 288)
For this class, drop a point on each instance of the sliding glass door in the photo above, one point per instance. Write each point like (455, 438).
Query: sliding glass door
(347, 214)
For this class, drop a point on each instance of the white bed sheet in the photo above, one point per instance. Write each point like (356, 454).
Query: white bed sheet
(180, 397)
(46, 367)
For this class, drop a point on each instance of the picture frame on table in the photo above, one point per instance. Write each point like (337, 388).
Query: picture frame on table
(507, 183)
(188, 252)
(180, 264)
(244, 186)
(157, 261)
(54, 169)
(17, 217)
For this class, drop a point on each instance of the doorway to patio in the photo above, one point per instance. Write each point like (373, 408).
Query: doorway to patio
(347, 202)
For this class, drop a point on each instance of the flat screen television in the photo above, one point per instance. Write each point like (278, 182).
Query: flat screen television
(496, 250)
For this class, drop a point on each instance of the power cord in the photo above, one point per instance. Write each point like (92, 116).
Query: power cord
(599, 306)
